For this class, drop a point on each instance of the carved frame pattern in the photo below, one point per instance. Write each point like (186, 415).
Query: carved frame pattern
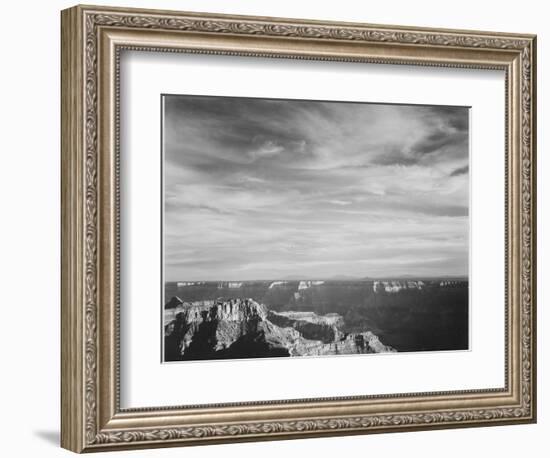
(89, 21)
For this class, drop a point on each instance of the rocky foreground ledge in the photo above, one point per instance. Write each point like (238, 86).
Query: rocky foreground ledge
(243, 328)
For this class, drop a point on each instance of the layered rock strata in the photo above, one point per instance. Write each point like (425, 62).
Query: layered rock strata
(243, 328)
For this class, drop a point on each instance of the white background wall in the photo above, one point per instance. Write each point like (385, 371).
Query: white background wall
(29, 241)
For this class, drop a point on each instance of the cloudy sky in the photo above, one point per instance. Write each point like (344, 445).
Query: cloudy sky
(276, 189)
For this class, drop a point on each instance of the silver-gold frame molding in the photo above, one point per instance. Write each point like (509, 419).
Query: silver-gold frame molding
(92, 39)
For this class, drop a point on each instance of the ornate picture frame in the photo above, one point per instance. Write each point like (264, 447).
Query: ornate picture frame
(92, 41)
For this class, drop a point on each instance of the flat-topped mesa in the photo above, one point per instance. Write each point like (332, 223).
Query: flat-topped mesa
(277, 283)
(349, 344)
(452, 283)
(394, 286)
(325, 328)
(230, 284)
(330, 319)
(224, 310)
(305, 284)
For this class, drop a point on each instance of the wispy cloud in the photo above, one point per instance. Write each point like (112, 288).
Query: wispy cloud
(258, 188)
(460, 171)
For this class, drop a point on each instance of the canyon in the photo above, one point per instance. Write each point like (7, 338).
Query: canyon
(311, 317)
(243, 328)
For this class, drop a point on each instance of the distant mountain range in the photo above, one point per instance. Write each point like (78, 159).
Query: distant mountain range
(339, 278)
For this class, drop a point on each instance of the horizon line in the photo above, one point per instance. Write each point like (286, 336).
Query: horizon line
(397, 277)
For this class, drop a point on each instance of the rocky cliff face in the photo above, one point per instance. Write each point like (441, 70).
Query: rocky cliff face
(243, 328)
(394, 286)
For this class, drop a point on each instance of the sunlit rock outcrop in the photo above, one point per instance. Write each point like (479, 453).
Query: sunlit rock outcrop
(243, 328)
(277, 283)
(305, 284)
(394, 286)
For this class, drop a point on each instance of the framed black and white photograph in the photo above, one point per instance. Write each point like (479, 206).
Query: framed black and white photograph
(313, 228)
(278, 228)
